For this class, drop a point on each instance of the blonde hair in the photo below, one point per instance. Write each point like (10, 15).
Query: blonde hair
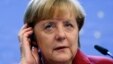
(44, 9)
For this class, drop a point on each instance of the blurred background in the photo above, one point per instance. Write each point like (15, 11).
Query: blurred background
(98, 27)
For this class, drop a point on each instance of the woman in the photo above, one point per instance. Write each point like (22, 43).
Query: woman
(50, 34)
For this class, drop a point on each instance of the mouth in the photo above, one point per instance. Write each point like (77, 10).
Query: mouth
(61, 48)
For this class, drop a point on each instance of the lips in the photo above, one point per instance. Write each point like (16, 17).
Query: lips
(60, 47)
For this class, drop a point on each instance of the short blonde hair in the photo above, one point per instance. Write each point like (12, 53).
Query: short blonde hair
(44, 9)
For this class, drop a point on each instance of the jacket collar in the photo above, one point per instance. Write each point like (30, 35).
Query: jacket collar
(81, 58)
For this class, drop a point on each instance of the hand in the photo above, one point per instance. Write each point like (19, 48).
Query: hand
(29, 55)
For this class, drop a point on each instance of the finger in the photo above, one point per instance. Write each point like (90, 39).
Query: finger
(24, 26)
(25, 40)
(35, 54)
(25, 44)
(24, 31)
(27, 34)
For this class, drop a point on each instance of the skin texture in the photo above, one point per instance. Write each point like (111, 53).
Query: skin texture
(28, 54)
(57, 38)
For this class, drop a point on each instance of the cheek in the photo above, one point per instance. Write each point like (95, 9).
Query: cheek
(45, 43)
(73, 37)
(43, 39)
(74, 42)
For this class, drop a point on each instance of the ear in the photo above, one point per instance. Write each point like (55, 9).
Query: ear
(34, 44)
(33, 41)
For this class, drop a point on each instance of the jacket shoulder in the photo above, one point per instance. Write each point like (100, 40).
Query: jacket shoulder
(100, 60)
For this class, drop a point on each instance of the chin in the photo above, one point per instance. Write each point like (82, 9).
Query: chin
(62, 58)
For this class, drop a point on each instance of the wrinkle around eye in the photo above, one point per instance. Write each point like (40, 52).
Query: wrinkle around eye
(69, 26)
(49, 27)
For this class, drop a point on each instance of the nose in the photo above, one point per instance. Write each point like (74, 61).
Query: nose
(60, 35)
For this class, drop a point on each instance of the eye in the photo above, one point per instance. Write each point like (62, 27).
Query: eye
(68, 24)
(49, 25)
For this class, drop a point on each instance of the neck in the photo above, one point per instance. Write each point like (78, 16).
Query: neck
(45, 61)
(53, 62)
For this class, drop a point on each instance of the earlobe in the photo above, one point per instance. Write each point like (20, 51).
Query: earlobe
(34, 44)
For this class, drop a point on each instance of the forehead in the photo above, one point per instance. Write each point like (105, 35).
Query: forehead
(59, 16)
(63, 14)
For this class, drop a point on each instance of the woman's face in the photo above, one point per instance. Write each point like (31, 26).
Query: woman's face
(57, 37)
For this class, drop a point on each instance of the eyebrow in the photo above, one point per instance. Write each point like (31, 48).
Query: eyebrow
(68, 20)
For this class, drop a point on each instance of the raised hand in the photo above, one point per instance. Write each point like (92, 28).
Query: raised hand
(29, 55)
